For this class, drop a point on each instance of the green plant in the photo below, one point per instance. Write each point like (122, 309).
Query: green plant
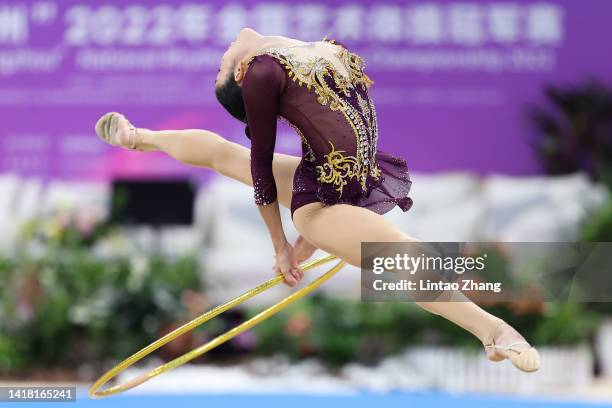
(70, 307)
(342, 331)
(575, 131)
(66, 229)
(565, 324)
(598, 227)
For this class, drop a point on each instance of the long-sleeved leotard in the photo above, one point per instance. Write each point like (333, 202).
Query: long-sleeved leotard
(336, 121)
(263, 85)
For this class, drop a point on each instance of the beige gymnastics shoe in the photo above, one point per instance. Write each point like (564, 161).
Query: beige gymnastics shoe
(522, 355)
(116, 130)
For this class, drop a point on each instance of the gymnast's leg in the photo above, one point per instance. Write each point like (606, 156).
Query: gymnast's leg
(200, 148)
(207, 149)
(340, 229)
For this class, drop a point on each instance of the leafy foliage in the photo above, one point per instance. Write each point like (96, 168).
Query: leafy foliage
(342, 331)
(598, 227)
(575, 131)
(70, 307)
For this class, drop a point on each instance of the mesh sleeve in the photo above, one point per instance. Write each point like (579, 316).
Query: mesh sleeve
(261, 89)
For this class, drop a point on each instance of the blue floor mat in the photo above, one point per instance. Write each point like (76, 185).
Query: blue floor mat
(391, 400)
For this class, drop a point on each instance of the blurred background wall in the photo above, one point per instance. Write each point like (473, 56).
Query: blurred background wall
(453, 79)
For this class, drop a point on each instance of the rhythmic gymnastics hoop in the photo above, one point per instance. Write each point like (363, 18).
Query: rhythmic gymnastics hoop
(95, 392)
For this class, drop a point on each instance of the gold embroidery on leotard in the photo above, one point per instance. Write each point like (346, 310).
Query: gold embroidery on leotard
(354, 65)
(313, 73)
(338, 168)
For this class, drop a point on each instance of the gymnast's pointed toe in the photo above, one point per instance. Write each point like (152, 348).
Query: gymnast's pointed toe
(525, 360)
(504, 342)
(103, 127)
(116, 130)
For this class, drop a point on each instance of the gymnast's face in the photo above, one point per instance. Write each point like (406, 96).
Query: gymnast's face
(231, 72)
(232, 60)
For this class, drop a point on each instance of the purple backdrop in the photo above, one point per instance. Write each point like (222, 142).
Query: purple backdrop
(451, 78)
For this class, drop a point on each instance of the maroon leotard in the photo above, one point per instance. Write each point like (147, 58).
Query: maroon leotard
(336, 121)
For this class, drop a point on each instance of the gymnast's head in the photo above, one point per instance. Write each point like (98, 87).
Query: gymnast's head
(231, 72)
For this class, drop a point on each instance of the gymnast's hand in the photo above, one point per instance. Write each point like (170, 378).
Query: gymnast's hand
(287, 265)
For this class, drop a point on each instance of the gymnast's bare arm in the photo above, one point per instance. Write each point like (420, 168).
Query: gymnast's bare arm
(285, 261)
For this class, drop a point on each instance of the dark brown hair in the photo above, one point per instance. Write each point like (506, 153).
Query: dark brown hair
(229, 94)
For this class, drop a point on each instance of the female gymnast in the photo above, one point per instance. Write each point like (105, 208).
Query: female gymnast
(340, 186)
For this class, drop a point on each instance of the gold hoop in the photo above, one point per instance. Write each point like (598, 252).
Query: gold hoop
(95, 392)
